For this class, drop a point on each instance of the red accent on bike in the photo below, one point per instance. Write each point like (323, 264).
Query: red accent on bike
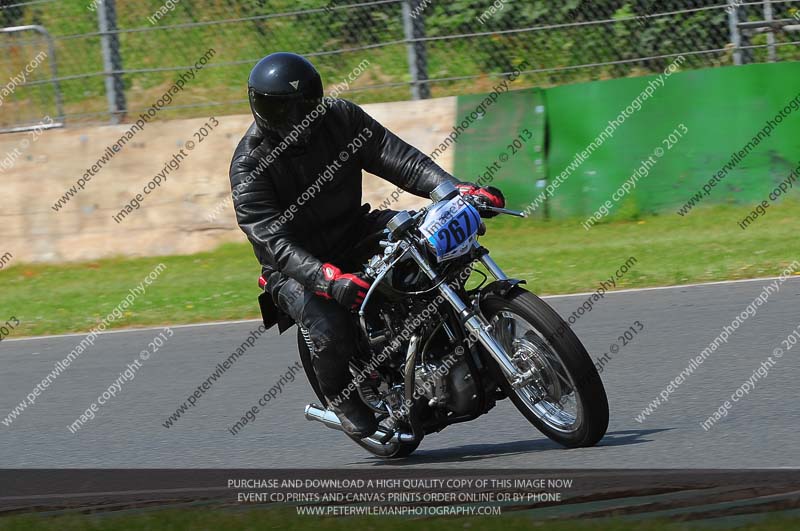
(262, 282)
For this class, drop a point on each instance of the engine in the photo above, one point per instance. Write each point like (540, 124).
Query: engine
(442, 379)
(447, 383)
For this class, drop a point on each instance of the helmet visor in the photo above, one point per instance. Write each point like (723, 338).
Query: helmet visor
(280, 114)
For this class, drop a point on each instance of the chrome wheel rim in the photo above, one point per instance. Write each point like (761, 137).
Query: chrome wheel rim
(549, 392)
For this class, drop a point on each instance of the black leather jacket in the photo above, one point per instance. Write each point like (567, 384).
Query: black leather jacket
(300, 211)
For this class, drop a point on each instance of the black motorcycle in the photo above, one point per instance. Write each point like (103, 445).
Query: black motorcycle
(434, 349)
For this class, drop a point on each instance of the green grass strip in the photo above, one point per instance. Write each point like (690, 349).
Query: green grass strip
(555, 257)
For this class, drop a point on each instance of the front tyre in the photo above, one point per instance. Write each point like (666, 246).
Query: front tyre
(563, 395)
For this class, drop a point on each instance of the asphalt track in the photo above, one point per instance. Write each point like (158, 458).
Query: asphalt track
(679, 322)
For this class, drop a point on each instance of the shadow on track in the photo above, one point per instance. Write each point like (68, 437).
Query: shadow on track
(475, 452)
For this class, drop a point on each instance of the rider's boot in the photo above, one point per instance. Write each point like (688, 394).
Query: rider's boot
(357, 419)
(336, 382)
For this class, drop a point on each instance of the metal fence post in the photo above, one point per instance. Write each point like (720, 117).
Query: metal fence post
(112, 60)
(771, 35)
(414, 28)
(736, 36)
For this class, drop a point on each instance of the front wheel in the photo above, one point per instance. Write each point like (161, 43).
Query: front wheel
(562, 394)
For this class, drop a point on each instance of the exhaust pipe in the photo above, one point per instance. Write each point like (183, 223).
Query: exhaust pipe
(330, 420)
(325, 416)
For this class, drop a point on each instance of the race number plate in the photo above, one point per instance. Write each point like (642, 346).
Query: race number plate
(450, 228)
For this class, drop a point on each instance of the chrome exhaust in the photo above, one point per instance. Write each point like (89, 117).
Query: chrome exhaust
(330, 420)
(325, 416)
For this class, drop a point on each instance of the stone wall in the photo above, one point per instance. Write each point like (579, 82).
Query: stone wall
(36, 169)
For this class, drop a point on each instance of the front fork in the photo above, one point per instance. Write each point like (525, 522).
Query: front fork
(474, 322)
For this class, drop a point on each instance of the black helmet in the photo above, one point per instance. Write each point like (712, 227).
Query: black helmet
(285, 93)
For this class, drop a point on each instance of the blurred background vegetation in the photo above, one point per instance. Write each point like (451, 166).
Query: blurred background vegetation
(562, 42)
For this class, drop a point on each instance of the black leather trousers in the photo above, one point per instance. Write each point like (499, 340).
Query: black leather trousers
(330, 325)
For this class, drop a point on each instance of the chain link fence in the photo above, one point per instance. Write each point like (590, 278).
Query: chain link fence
(109, 60)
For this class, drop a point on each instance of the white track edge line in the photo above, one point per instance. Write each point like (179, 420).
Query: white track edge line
(241, 321)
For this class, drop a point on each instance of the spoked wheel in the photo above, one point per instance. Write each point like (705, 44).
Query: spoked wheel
(560, 391)
(388, 450)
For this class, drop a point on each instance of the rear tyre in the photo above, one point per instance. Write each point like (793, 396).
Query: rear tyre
(563, 373)
(389, 450)
(308, 367)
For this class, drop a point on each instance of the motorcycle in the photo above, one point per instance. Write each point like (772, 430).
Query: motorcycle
(434, 350)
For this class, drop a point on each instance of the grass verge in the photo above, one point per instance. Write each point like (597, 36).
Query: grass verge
(555, 257)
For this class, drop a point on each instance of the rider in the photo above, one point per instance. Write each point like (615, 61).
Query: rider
(296, 181)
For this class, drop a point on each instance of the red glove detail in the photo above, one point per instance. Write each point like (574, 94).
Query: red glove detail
(488, 196)
(329, 273)
(494, 199)
(347, 289)
(466, 188)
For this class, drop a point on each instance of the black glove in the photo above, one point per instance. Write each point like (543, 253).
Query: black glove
(347, 289)
(487, 196)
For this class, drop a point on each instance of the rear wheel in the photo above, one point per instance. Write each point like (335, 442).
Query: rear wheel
(389, 450)
(375, 447)
(561, 394)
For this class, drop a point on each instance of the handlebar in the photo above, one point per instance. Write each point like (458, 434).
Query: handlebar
(447, 190)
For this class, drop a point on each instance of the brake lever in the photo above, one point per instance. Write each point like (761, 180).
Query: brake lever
(499, 210)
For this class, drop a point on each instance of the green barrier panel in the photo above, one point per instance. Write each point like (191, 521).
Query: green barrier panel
(720, 110)
(495, 148)
(701, 119)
